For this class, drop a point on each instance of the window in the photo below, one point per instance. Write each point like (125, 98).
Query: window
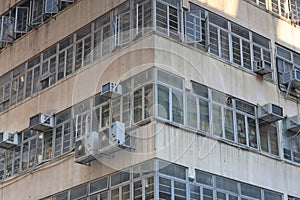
(5, 88)
(51, 6)
(280, 7)
(291, 146)
(9, 163)
(102, 39)
(33, 76)
(62, 136)
(293, 198)
(143, 17)
(82, 118)
(83, 47)
(172, 169)
(2, 164)
(79, 191)
(18, 85)
(193, 29)
(48, 70)
(17, 160)
(98, 185)
(269, 139)
(246, 124)
(37, 16)
(7, 29)
(65, 58)
(167, 19)
(286, 61)
(240, 46)
(21, 20)
(170, 103)
(222, 116)
(29, 150)
(295, 10)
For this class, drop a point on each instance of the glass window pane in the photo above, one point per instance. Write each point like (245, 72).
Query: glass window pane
(105, 116)
(149, 188)
(137, 190)
(126, 109)
(172, 169)
(207, 194)
(226, 184)
(170, 79)
(252, 133)
(204, 115)
(179, 190)
(78, 192)
(236, 50)
(163, 102)
(62, 196)
(229, 132)
(116, 106)
(200, 90)
(219, 21)
(241, 128)
(164, 188)
(239, 30)
(213, 40)
(177, 106)
(221, 196)
(119, 177)
(191, 111)
(138, 105)
(263, 130)
(148, 108)
(272, 196)
(217, 120)
(98, 185)
(250, 191)
(246, 54)
(126, 192)
(115, 195)
(260, 40)
(274, 140)
(204, 178)
(194, 192)
(224, 44)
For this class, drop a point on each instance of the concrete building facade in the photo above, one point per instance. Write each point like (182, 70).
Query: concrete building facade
(203, 100)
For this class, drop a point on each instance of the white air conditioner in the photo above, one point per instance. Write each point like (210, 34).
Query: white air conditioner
(262, 67)
(293, 123)
(112, 138)
(292, 77)
(86, 147)
(270, 113)
(8, 140)
(111, 88)
(41, 122)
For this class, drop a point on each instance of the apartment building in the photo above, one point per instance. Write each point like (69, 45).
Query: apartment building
(150, 99)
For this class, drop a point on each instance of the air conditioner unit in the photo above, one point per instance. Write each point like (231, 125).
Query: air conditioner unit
(111, 88)
(86, 147)
(262, 67)
(8, 140)
(270, 113)
(292, 77)
(293, 123)
(112, 138)
(41, 122)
